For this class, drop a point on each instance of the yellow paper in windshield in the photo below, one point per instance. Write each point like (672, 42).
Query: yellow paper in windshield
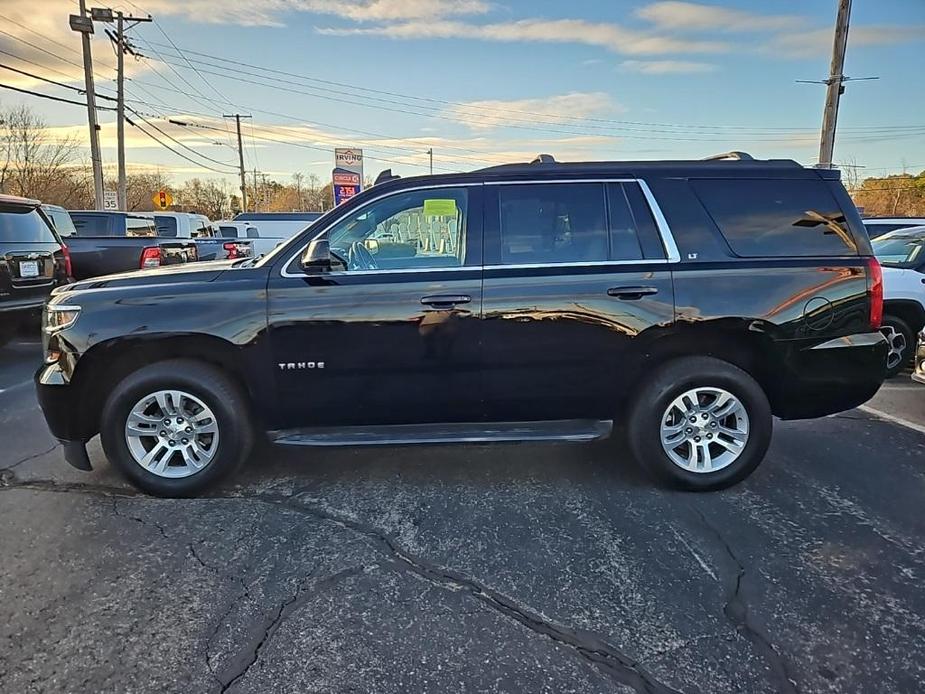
(440, 208)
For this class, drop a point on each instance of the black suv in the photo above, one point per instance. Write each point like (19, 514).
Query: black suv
(33, 261)
(686, 301)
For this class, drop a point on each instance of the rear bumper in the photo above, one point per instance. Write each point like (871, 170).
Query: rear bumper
(831, 377)
(59, 403)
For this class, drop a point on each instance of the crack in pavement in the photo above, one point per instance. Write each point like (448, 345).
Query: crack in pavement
(10, 481)
(115, 510)
(736, 611)
(590, 646)
(245, 659)
(32, 456)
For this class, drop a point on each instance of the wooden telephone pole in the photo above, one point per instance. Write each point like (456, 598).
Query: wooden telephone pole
(835, 86)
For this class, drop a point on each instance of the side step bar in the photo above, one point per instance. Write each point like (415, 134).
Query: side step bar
(575, 430)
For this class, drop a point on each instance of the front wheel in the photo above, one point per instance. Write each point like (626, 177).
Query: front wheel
(176, 427)
(700, 423)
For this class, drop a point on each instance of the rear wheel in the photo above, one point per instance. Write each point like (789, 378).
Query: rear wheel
(700, 423)
(176, 427)
(901, 340)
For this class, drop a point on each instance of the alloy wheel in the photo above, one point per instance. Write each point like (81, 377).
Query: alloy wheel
(171, 433)
(704, 429)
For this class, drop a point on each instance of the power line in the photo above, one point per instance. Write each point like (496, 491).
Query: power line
(179, 154)
(178, 142)
(53, 98)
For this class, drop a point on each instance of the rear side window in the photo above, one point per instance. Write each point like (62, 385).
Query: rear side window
(761, 218)
(90, 224)
(140, 226)
(62, 221)
(553, 223)
(252, 233)
(166, 226)
(22, 224)
(201, 229)
(228, 232)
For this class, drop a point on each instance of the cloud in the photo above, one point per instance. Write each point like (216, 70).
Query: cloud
(562, 108)
(666, 67)
(272, 12)
(806, 44)
(610, 36)
(692, 16)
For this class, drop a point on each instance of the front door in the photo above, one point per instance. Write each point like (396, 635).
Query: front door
(575, 274)
(390, 335)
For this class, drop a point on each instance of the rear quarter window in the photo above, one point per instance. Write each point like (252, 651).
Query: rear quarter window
(25, 225)
(762, 218)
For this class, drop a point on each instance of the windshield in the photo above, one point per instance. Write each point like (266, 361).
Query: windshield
(64, 225)
(900, 251)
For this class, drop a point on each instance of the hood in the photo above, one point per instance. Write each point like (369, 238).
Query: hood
(185, 272)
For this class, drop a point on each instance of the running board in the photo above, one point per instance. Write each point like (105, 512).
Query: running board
(576, 430)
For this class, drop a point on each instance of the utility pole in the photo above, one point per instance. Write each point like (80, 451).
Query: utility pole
(84, 25)
(237, 119)
(431, 153)
(122, 48)
(835, 88)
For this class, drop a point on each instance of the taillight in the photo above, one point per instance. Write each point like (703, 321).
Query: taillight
(231, 248)
(150, 257)
(875, 292)
(68, 268)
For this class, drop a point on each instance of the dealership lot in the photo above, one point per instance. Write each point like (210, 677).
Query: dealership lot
(525, 568)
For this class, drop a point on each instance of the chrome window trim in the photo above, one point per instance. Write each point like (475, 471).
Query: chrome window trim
(664, 231)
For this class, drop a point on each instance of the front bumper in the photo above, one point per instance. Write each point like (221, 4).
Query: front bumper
(918, 373)
(60, 404)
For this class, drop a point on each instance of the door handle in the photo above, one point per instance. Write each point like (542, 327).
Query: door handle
(445, 301)
(631, 293)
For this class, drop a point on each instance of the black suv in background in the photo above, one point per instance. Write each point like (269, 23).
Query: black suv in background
(33, 261)
(685, 301)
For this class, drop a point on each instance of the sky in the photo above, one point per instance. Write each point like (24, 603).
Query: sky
(479, 82)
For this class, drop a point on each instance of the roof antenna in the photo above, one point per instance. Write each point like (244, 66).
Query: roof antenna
(544, 159)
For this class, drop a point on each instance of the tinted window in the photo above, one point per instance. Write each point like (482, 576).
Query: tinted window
(880, 229)
(200, 228)
(140, 226)
(24, 224)
(776, 218)
(418, 229)
(624, 241)
(252, 233)
(228, 232)
(166, 226)
(90, 224)
(553, 223)
(62, 221)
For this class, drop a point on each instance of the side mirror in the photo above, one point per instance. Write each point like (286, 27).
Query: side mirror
(316, 258)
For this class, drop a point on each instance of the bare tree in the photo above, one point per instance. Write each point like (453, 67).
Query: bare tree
(37, 165)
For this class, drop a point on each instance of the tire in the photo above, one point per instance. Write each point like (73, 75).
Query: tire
(654, 405)
(901, 338)
(191, 384)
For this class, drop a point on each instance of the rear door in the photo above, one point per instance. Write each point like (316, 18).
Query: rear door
(575, 277)
(31, 259)
(392, 336)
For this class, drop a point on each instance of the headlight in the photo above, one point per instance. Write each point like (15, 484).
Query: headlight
(59, 317)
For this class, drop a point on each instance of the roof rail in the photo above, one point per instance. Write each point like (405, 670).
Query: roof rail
(734, 155)
(385, 177)
(544, 159)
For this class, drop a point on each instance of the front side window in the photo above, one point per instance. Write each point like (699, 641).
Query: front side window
(228, 232)
(900, 251)
(417, 229)
(553, 223)
(761, 218)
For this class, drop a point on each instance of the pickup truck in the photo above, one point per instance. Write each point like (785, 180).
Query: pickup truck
(230, 229)
(206, 236)
(103, 243)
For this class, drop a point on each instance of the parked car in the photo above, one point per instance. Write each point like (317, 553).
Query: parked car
(902, 255)
(278, 225)
(878, 226)
(230, 229)
(918, 373)
(198, 228)
(33, 261)
(685, 302)
(102, 243)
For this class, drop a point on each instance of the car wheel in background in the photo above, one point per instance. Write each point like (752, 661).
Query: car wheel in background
(901, 340)
(176, 427)
(700, 423)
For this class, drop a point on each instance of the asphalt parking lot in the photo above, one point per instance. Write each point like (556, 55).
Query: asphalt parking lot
(517, 569)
